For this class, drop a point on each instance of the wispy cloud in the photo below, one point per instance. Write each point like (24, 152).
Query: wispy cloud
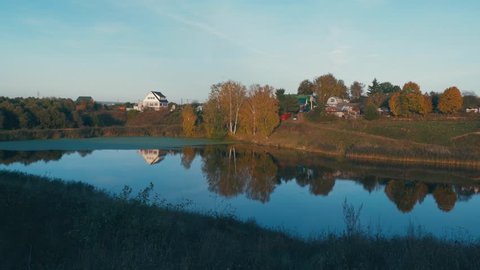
(212, 31)
(199, 25)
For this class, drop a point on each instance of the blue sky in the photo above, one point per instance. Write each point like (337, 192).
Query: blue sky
(119, 50)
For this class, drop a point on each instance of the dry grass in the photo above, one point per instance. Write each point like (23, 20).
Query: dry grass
(383, 141)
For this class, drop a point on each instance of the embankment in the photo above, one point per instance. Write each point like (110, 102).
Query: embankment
(90, 132)
(354, 145)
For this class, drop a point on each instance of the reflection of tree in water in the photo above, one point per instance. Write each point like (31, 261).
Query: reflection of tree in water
(28, 157)
(304, 176)
(231, 171)
(264, 176)
(405, 194)
(84, 153)
(319, 180)
(445, 197)
(188, 155)
(322, 186)
(223, 176)
(369, 183)
(465, 193)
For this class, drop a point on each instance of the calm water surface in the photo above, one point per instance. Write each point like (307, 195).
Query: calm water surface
(298, 192)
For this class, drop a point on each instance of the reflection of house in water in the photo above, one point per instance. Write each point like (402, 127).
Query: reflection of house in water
(152, 156)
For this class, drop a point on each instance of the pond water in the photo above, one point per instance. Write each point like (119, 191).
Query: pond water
(298, 192)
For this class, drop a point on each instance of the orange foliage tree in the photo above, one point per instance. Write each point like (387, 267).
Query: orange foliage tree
(451, 101)
(427, 104)
(395, 105)
(189, 118)
(413, 98)
(409, 100)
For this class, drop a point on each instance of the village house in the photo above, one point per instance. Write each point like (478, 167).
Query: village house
(472, 110)
(306, 102)
(154, 101)
(342, 108)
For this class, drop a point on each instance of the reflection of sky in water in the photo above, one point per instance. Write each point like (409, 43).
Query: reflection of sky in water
(291, 207)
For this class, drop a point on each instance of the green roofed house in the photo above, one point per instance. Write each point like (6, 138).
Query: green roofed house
(306, 102)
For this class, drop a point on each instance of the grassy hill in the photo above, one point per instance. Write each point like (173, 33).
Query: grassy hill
(434, 142)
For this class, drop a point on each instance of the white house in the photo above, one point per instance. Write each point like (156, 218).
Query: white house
(334, 101)
(472, 110)
(342, 108)
(154, 100)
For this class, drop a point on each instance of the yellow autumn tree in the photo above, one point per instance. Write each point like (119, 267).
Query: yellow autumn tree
(395, 104)
(411, 87)
(450, 101)
(413, 97)
(259, 115)
(231, 96)
(427, 104)
(410, 100)
(189, 118)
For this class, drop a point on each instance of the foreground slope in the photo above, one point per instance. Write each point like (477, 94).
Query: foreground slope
(55, 225)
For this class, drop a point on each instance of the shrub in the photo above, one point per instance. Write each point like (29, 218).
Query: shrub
(319, 115)
(371, 112)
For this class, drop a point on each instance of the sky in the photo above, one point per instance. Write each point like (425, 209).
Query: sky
(117, 50)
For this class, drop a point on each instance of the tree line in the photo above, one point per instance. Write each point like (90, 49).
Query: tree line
(51, 113)
(400, 101)
(233, 109)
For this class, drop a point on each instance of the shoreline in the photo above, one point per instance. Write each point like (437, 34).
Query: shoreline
(351, 153)
(382, 159)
